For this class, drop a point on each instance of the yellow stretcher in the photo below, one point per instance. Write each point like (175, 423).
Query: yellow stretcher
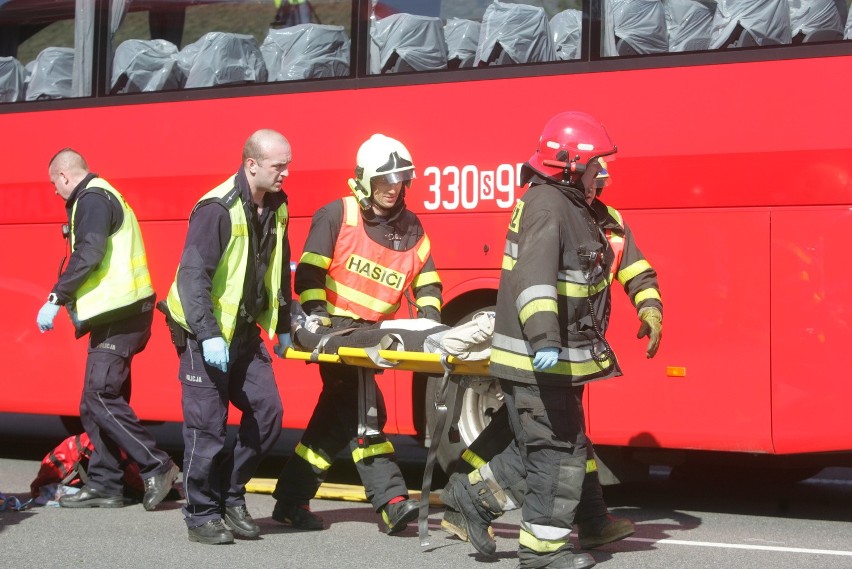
(453, 370)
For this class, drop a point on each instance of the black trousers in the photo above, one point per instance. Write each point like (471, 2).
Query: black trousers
(508, 468)
(215, 475)
(333, 427)
(105, 410)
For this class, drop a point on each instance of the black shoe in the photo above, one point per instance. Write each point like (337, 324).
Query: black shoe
(88, 497)
(396, 516)
(602, 530)
(567, 560)
(239, 520)
(213, 532)
(158, 486)
(477, 510)
(298, 516)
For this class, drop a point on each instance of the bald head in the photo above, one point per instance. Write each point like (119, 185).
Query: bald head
(266, 159)
(67, 169)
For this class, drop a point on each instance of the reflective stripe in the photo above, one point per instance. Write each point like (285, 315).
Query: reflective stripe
(616, 215)
(357, 297)
(591, 466)
(517, 346)
(540, 305)
(646, 294)
(312, 294)
(350, 211)
(316, 260)
(508, 263)
(547, 533)
(432, 301)
(573, 369)
(427, 278)
(511, 249)
(360, 454)
(529, 541)
(581, 290)
(473, 459)
(424, 249)
(534, 292)
(627, 273)
(572, 276)
(312, 458)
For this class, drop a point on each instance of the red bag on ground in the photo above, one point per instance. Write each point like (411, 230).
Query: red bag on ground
(66, 464)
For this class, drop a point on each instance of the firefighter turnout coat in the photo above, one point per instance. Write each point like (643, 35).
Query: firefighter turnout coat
(560, 258)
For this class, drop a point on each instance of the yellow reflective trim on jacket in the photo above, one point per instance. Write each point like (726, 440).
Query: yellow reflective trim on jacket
(616, 215)
(432, 301)
(424, 249)
(591, 465)
(530, 541)
(122, 277)
(312, 294)
(574, 290)
(360, 454)
(312, 458)
(537, 305)
(316, 260)
(648, 293)
(574, 369)
(350, 211)
(427, 278)
(473, 459)
(508, 263)
(356, 297)
(630, 271)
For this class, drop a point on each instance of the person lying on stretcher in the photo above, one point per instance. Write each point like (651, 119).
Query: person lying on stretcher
(471, 340)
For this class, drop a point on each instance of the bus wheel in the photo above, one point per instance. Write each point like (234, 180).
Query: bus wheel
(478, 405)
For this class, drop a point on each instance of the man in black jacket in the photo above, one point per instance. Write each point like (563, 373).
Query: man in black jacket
(107, 290)
(233, 280)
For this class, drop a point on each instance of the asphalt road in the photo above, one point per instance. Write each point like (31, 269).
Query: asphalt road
(679, 525)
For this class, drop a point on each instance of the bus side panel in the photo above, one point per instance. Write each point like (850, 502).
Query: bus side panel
(715, 290)
(811, 329)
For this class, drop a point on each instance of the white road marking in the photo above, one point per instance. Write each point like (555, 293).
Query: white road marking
(741, 546)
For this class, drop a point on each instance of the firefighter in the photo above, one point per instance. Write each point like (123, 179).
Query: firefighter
(552, 310)
(107, 291)
(233, 280)
(595, 526)
(362, 254)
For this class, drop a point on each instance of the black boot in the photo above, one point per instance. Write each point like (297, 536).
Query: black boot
(602, 530)
(477, 504)
(213, 532)
(396, 516)
(297, 516)
(239, 520)
(158, 486)
(88, 497)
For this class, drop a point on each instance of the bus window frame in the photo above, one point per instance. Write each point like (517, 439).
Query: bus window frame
(591, 61)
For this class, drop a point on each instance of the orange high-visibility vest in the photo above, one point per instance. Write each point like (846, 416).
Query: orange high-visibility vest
(366, 280)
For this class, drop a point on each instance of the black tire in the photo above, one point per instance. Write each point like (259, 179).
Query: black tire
(478, 406)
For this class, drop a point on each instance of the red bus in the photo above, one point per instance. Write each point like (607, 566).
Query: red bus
(734, 172)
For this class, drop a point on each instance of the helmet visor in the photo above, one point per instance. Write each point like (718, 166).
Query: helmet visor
(395, 177)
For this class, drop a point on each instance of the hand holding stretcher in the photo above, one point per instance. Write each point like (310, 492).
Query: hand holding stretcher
(383, 346)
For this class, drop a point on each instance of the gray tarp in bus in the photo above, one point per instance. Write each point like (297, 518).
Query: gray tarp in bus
(220, 58)
(406, 42)
(817, 20)
(767, 22)
(12, 87)
(462, 38)
(566, 29)
(306, 51)
(514, 33)
(689, 23)
(51, 74)
(146, 65)
(634, 27)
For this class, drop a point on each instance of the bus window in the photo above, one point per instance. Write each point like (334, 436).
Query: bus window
(411, 36)
(38, 53)
(184, 45)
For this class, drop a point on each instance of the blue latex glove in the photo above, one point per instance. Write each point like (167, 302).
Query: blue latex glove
(284, 342)
(46, 315)
(215, 352)
(545, 358)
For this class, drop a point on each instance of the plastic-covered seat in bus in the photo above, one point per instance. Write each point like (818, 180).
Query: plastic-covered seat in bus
(749, 23)
(689, 24)
(407, 42)
(145, 65)
(306, 51)
(51, 74)
(12, 85)
(566, 29)
(514, 33)
(817, 20)
(635, 27)
(462, 38)
(847, 33)
(221, 58)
